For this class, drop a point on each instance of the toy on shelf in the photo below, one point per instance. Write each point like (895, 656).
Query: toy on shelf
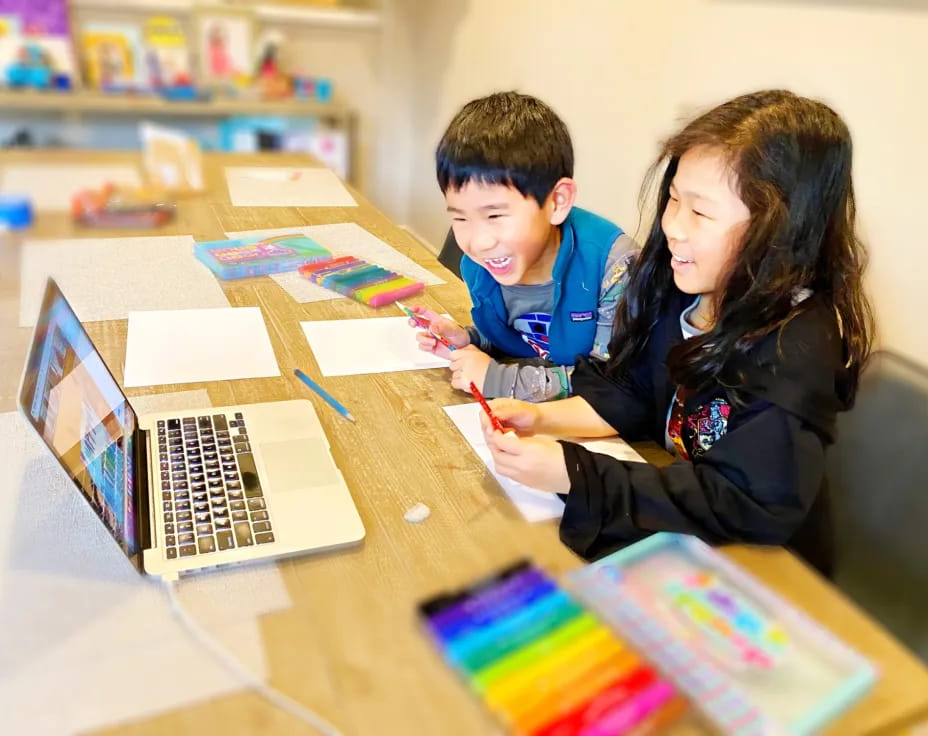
(115, 205)
(362, 281)
(244, 257)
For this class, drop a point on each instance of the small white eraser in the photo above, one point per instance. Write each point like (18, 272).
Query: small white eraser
(419, 512)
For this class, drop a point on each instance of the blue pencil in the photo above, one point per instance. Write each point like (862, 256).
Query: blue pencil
(326, 396)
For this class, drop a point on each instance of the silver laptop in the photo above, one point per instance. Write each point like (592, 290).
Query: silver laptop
(180, 492)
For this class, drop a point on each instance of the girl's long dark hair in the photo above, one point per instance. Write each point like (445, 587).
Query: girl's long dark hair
(792, 158)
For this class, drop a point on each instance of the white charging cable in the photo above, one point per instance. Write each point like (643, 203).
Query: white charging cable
(284, 702)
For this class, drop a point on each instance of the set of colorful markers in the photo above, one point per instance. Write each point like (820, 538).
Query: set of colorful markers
(544, 664)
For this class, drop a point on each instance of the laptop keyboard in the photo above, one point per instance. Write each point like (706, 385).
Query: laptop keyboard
(210, 495)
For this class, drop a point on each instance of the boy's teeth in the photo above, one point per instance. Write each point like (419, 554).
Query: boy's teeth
(498, 262)
(682, 260)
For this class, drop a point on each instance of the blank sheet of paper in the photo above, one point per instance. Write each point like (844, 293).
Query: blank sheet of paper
(193, 345)
(342, 239)
(76, 618)
(106, 278)
(51, 186)
(265, 186)
(349, 347)
(533, 504)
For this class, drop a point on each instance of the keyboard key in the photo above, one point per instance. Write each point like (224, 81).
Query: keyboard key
(261, 526)
(243, 534)
(222, 522)
(168, 528)
(188, 550)
(225, 539)
(264, 537)
(169, 540)
(239, 516)
(184, 516)
(254, 504)
(206, 544)
(184, 526)
(172, 553)
(185, 538)
(219, 421)
(259, 515)
(204, 529)
(237, 505)
(168, 518)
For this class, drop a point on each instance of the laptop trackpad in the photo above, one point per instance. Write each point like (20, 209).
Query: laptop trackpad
(298, 464)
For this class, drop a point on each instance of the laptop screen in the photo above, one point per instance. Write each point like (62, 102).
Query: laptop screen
(75, 404)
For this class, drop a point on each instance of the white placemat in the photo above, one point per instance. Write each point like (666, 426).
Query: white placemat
(106, 278)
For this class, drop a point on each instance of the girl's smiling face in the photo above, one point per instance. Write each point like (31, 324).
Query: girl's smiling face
(704, 222)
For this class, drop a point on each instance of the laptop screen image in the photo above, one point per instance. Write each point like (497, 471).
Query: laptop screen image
(78, 409)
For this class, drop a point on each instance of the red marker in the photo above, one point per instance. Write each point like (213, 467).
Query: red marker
(497, 424)
(425, 325)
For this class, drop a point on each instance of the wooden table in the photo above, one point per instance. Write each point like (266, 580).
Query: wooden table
(350, 646)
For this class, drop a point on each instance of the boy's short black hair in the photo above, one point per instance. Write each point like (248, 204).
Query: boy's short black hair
(506, 138)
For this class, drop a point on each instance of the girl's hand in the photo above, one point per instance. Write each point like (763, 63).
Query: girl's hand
(537, 462)
(447, 328)
(521, 416)
(468, 364)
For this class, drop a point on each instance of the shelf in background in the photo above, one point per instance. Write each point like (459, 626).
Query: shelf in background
(86, 101)
(331, 17)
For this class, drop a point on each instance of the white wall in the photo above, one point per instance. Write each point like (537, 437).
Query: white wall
(622, 73)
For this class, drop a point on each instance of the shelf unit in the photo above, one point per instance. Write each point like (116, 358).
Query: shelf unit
(87, 101)
(324, 16)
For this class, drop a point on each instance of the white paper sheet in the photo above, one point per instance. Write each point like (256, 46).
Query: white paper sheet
(51, 186)
(192, 345)
(533, 504)
(85, 641)
(106, 278)
(342, 239)
(265, 186)
(350, 347)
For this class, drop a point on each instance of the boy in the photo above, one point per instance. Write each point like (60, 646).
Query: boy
(544, 276)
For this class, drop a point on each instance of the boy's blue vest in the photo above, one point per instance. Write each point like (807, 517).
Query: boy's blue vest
(586, 240)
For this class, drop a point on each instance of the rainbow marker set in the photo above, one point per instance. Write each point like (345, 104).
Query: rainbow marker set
(352, 277)
(749, 661)
(543, 663)
(362, 281)
(244, 257)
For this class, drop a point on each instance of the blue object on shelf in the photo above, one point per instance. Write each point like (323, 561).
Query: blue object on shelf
(15, 211)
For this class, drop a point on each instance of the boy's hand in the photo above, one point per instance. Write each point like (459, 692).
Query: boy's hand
(522, 417)
(447, 328)
(537, 462)
(468, 365)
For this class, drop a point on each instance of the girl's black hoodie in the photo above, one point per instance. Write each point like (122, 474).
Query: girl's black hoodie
(757, 452)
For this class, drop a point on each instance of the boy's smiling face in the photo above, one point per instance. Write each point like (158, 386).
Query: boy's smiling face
(508, 234)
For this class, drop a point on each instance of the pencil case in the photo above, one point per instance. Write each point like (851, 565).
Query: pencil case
(750, 661)
(543, 663)
(362, 281)
(243, 257)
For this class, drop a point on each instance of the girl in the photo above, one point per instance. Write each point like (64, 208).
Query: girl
(742, 334)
